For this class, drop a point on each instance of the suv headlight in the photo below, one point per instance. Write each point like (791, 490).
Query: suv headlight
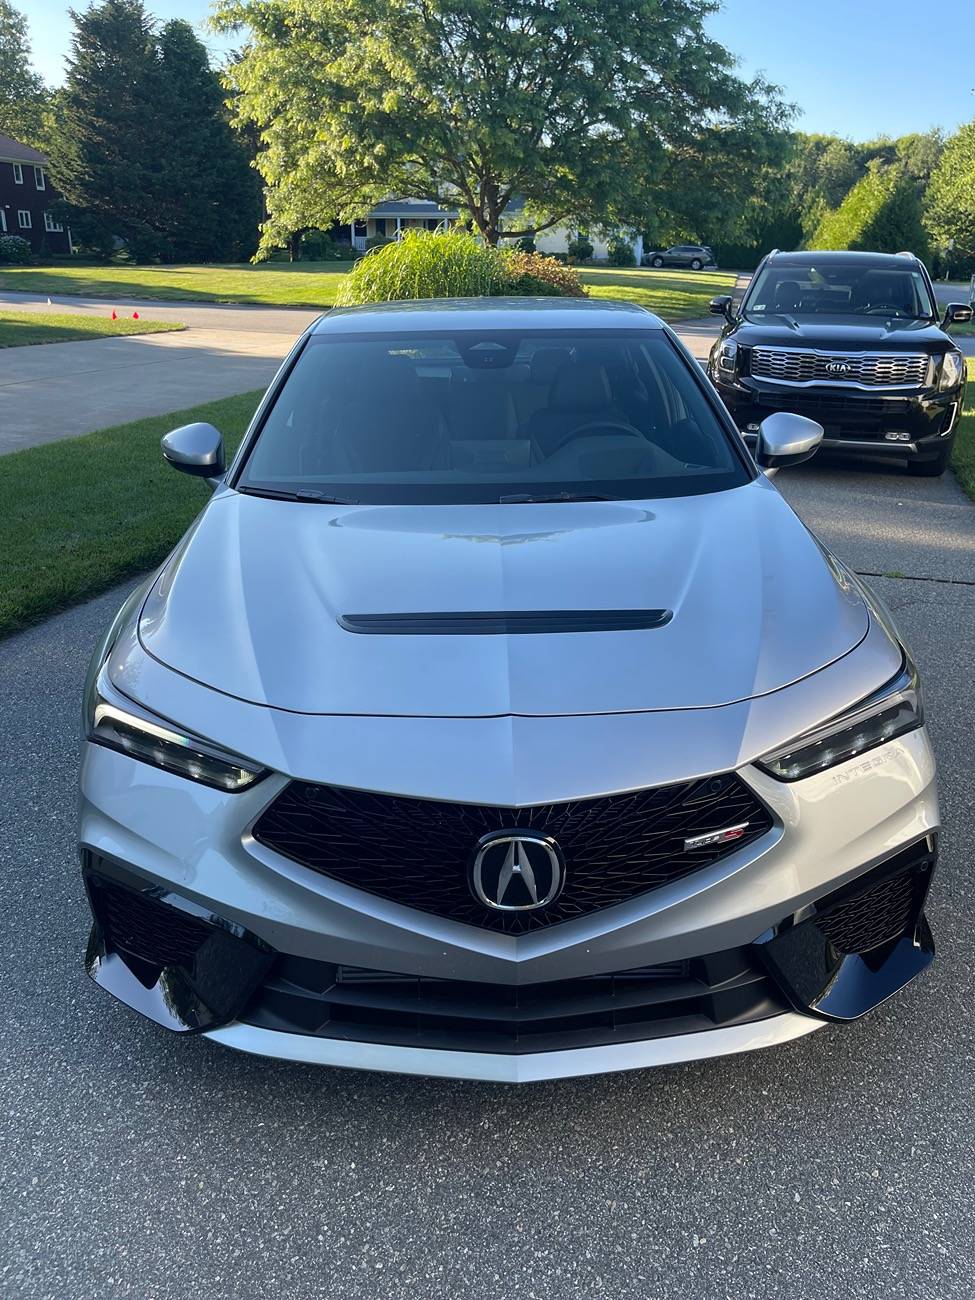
(113, 720)
(952, 369)
(893, 710)
(727, 357)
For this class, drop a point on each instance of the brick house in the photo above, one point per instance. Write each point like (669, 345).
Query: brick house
(26, 199)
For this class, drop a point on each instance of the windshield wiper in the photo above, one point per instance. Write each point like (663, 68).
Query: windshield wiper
(530, 498)
(306, 495)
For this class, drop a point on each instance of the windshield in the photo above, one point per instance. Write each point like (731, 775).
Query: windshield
(489, 416)
(851, 288)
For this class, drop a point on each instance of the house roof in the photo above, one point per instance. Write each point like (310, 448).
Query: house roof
(13, 151)
(410, 208)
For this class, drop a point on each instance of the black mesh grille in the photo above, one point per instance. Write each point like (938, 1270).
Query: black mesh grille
(138, 924)
(419, 851)
(879, 914)
(347, 1002)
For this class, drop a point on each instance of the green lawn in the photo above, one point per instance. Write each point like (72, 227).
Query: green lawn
(674, 294)
(21, 328)
(79, 515)
(275, 284)
(963, 456)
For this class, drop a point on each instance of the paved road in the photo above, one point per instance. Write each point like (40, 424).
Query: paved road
(139, 1165)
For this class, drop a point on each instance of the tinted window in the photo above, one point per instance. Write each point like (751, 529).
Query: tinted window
(853, 288)
(472, 417)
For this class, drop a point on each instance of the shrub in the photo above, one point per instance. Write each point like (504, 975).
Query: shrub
(14, 250)
(882, 213)
(425, 264)
(620, 252)
(378, 241)
(533, 275)
(526, 244)
(319, 246)
(579, 249)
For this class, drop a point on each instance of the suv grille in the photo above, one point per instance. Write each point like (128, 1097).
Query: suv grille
(311, 997)
(873, 369)
(419, 852)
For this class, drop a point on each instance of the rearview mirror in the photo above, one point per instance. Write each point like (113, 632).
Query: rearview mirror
(721, 306)
(956, 313)
(786, 439)
(195, 449)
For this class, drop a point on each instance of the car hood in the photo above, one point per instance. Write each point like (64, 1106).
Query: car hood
(840, 333)
(249, 604)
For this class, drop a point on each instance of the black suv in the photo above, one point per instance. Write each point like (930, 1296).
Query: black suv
(852, 340)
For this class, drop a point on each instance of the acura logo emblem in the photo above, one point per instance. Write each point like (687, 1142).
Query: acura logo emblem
(515, 871)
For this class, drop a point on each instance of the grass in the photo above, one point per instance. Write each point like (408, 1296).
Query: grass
(274, 284)
(80, 515)
(963, 456)
(675, 294)
(23, 328)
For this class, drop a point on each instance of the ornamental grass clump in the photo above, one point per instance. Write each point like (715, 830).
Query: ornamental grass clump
(453, 264)
(424, 264)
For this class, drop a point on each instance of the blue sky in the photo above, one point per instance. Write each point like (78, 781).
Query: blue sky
(859, 68)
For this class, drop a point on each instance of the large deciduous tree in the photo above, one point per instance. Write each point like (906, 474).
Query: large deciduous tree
(582, 108)
(23, 95)
(950, 201)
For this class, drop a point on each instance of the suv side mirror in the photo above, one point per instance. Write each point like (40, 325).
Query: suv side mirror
(956, 313)
(721, 306)
(195, 449)
(786, 439)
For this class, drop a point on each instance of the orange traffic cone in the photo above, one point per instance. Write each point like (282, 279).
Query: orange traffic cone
(114, 314)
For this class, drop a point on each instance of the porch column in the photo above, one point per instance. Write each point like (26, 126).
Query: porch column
(399, 227)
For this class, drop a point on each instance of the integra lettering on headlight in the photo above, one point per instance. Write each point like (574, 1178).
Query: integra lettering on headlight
(890, 712)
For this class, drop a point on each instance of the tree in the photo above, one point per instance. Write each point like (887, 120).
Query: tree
(23, 95)
(882, 212)
(212, 209)
(574, 105)
(144, 148)
(950, 207)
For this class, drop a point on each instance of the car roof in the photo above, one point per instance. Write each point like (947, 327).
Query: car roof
(452, 314)
(895, 261)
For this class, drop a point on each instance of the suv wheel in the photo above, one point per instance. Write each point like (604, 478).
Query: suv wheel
(696, 264)
(931, 468)
(657, 261)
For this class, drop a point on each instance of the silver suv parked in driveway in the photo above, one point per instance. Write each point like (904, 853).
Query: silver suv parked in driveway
(696, 257)
(497, 718)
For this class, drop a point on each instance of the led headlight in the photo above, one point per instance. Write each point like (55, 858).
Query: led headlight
(728, 357)
(118, 723)
(951, 370)
(889, 712)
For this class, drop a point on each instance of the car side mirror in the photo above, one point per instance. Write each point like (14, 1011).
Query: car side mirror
(195, 449)
(721, 306)
(786, 439)
(956, 313)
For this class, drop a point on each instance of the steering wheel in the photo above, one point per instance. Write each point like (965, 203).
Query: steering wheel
(877, 308)
(603, 426)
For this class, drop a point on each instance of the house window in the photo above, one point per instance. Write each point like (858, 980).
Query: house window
(433, 223)
(50, 225)
(18, 174)
(23, 219)
(39, 182)
(380, 224)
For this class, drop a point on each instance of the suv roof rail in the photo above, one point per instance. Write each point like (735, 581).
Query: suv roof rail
(906, 252)
(773, 251)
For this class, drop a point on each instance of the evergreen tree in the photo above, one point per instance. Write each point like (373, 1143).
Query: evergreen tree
(22, 92)
(212, 209)
(144, 150)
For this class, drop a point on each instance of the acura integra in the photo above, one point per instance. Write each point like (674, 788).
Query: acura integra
(497, 718)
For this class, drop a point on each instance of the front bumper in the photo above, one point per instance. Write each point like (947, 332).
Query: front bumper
(260, 938)
(915, 425)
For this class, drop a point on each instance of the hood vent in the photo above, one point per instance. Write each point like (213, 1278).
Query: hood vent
(506, 623)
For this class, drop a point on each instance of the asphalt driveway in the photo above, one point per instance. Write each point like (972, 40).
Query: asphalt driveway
(139, 1165)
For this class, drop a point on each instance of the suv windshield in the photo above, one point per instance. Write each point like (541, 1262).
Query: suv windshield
(488, 416)
(849, 288)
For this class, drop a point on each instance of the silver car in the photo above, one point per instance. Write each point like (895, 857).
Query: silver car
(498, 719)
